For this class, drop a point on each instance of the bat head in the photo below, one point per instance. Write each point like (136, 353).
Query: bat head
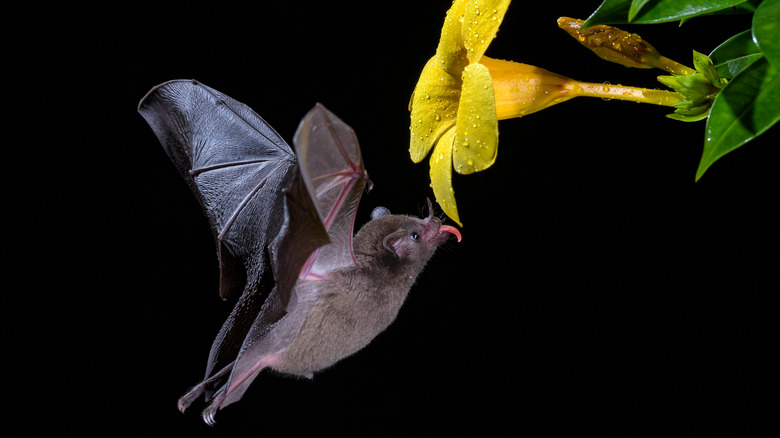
(408, 238)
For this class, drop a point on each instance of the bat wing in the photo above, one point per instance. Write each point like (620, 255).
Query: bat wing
(237, 166)
(332, 169)
(324, 195)
(233, 161)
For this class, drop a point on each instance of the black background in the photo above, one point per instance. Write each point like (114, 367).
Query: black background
(597, 288)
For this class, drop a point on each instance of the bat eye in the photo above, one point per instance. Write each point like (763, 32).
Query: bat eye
(414, 236)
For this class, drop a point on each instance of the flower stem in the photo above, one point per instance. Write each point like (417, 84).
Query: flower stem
(620, 92)
(673, 67)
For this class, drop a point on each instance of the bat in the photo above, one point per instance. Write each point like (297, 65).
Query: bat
(308, 292)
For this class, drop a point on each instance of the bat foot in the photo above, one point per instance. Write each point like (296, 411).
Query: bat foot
(211, 411)
(186, 400)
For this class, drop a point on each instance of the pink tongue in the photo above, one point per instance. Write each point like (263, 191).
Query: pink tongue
(451, 230)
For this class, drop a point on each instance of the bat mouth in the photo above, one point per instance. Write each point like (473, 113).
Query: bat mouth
(450, 229)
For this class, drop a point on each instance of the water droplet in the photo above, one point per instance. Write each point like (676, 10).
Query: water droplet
(470, 162)
(436, 117)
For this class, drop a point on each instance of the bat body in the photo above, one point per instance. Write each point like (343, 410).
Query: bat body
(311, 293)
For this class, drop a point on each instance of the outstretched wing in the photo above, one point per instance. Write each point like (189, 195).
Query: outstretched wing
(233, 161)
(332, 168)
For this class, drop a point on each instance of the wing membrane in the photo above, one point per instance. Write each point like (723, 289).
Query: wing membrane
(233, 161)
(332, 166)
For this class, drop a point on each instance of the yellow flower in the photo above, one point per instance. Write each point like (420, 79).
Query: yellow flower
(453, 105)
(461, 95)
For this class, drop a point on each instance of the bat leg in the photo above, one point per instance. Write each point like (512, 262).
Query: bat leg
(227, 394)
(186, 400)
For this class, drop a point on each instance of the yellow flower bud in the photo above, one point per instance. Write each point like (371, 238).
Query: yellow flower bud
(621, 47)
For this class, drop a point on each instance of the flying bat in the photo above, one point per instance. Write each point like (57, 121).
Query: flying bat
(309, 291)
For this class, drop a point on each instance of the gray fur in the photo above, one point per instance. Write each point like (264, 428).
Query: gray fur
(354, 305)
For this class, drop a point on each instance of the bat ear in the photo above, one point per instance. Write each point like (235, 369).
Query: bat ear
(392, 240)
(430, 208)
(379, 212)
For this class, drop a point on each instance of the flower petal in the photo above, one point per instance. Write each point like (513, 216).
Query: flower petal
(441, 176)
(476, 137)
(481, 20)
(433, 107)
(450, 54)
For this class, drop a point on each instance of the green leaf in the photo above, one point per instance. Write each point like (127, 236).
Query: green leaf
(743, 8)
(662, 11)
(747, 7)
(734, 54)
(609, 12)
(636, 6)
(654, 11)
(743, 110)
(766, 33)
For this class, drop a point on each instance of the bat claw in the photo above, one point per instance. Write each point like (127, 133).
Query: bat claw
(208, 416)
(211, 411)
